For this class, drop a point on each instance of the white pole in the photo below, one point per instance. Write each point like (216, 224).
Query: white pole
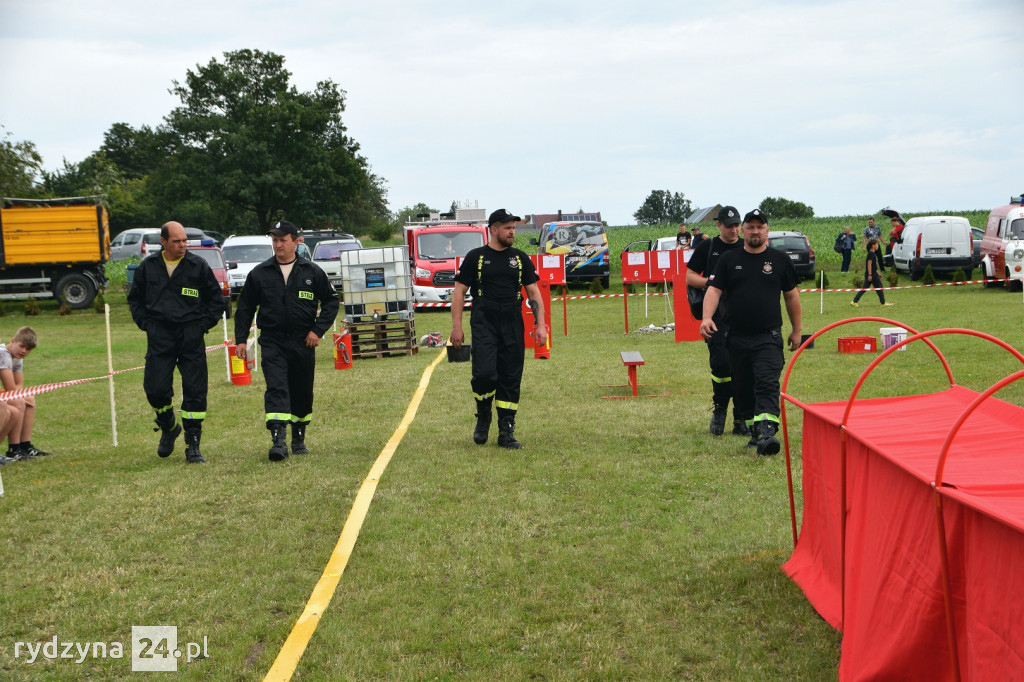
(821, 305)
(668, 306)
(227, 355)
(110, 375)
(256, 350)
(645, 299)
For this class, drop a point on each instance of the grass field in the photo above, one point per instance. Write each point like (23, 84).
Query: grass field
(622, 542)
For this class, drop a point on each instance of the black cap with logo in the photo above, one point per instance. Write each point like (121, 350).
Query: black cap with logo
(728, 216)
(756, 215)
(283, 227)
(502, 216)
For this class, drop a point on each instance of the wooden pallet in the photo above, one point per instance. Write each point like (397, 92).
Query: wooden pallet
(381, 339)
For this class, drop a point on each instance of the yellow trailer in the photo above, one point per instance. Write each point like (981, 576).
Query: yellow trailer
(54, 247)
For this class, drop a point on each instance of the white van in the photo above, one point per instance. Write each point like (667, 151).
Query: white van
(242, 254)
(943, 242)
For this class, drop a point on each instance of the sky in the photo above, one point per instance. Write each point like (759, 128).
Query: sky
(536, 107)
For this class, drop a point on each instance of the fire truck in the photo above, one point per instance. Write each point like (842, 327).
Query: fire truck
(436, 244)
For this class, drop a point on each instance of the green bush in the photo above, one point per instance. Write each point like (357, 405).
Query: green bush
(3, 308)
(959, 275)
(893, 278)
(596, 287)
(928, 277)
(382, 230)
(99, 302)
(31, 306)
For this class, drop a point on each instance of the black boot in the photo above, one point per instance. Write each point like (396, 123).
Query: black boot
(506, 431)
(767, 443)
(483, 421)
(717, 425)
(170, 430)
(299, 438)
(740, 428)
(752, 432)
(192, 454)
(279, 450)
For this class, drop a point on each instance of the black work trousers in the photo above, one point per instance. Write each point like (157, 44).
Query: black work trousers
(288, 367)
(757, 361)
(498, 342)
(169, 346)
(721, 368)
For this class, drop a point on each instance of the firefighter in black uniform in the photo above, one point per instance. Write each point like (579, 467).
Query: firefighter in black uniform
(496, 274)
(701, 265)
(753, 277)
(176, 299)
(287, 290)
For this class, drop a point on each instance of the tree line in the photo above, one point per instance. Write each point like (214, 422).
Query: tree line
(243, 149)
(663, 206)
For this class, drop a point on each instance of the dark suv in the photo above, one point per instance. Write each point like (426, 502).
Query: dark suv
(313, 237)
(798, 247)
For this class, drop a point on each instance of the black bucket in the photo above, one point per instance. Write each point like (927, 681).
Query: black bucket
(460, 354)
(803, 340)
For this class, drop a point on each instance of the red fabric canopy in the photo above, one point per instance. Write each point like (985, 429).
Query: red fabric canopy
(895, 618)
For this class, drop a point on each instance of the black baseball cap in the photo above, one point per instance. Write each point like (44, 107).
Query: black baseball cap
(502, 216)
(283, 227)
(756, 215)
(728, 216)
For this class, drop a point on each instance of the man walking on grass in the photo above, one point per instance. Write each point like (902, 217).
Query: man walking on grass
(753, 278)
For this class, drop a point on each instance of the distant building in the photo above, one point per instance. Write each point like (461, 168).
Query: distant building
(704, 215)
(537, 220)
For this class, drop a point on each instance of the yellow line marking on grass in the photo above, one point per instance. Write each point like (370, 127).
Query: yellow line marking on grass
(288, 658)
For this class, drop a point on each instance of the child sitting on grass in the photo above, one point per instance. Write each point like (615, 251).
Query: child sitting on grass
(19, 435)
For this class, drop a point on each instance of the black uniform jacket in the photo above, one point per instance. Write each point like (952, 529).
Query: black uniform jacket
(191, 296)
(286, 310)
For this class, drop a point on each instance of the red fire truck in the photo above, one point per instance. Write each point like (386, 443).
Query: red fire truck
(433, 246)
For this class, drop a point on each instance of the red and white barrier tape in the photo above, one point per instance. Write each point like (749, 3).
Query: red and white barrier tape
(46, 388)
(802, 291)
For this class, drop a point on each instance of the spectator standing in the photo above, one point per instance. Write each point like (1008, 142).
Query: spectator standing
(175, 298)
(753, 278)
(21, 411)
(287, 291)
(872, 278)
(872, 231)
(847, 242)
(702, 264)
(496, 274)
(697, 237)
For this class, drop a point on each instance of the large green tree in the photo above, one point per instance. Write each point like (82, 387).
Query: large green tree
(663, 206)
(20, 167)
(245, 137)
(777, 207)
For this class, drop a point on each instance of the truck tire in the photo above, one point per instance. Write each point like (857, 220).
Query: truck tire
(75, 289)
(606, 281)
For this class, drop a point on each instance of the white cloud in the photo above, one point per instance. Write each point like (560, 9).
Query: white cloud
(846, 106)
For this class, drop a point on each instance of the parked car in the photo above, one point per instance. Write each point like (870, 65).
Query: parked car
(798, 247)
(208, 250)
(977, 234)
(242, 254)
(942, 242)
(215, 236)
(1002, 248)
(313, 237)
(328, 256)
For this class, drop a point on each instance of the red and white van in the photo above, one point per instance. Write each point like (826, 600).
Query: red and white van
(433, 247)
(1002, 247)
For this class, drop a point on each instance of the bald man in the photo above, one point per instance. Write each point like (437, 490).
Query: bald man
(175, 299)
